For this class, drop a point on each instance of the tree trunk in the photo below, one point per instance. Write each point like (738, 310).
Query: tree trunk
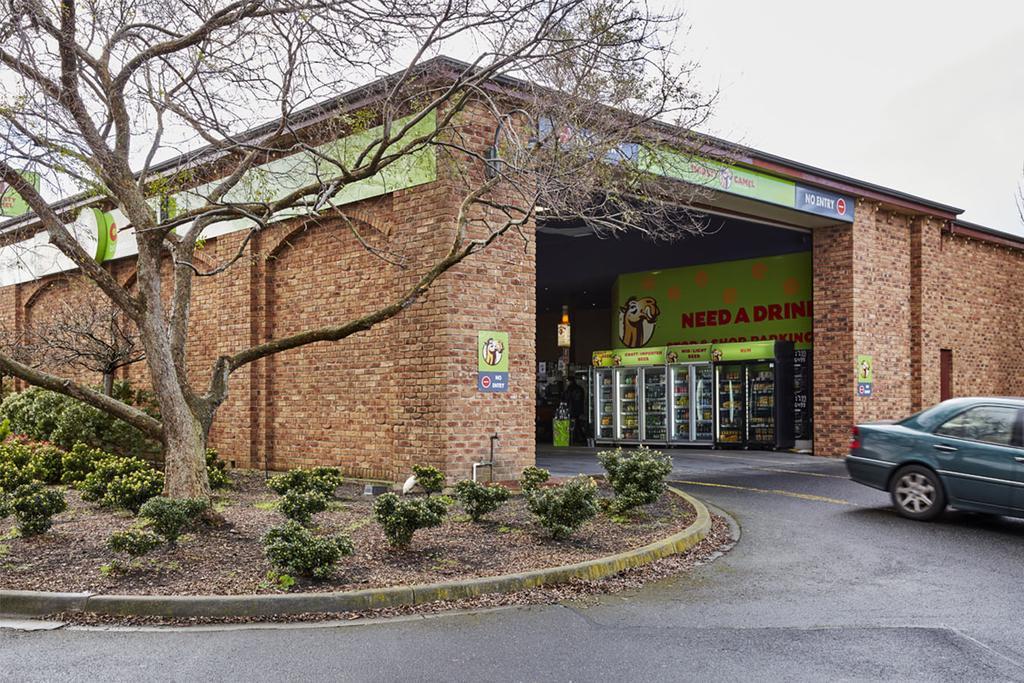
(108, 383)
(184, 454)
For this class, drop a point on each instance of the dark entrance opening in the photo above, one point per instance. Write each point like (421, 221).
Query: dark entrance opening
(577, 271)
(945, 374)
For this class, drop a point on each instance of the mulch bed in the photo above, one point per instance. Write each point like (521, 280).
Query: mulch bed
(228, 559)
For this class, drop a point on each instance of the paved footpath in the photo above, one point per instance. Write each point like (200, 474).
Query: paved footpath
(826, 583)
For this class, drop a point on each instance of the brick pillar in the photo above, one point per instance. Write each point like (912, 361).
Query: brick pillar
(868, 299)
(925, 302)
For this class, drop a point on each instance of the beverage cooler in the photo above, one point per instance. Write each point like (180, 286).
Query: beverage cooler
(604, 404)
(754, 394)
(691, 399)
(655, 421)
(627, 389)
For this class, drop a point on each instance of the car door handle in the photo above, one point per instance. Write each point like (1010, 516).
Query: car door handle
(1019, 459)
(944, 447)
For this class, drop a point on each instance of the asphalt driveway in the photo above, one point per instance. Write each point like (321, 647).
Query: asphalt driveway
(826, 583)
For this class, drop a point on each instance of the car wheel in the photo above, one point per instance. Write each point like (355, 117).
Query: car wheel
(917, 493)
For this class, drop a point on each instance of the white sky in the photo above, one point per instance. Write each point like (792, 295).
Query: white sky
(923, 97)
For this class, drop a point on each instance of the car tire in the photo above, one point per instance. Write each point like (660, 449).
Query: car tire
(917, 493)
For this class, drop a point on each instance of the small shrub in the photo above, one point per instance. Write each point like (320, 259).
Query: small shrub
(637, 476)
(171, 517)
(564, 509)
(105, 470)
(478, 500)
(429, 478)
(130, 491)
(12, 476)
(34, 506)
(5, 429)
(324, 480)
(401, 518)
(216, 470)
(532, 477)
(45, 463)
(79, 462)
(16, 453)
(133, 542)
(302, 505)
(294, 549)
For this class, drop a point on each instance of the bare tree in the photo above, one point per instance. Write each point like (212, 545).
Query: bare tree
(91, 334)
(118, 95)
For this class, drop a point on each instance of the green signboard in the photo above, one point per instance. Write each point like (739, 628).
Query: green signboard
(763, 350)
(106, 234)
(11, 203)
(735, 301)
(492, 361)
(691, 353)
(865, 374)
(718, 176)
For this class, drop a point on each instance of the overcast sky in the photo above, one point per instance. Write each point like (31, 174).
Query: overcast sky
(922, 97)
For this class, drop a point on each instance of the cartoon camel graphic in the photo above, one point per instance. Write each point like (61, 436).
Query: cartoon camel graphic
(637, 319)
(493, 350)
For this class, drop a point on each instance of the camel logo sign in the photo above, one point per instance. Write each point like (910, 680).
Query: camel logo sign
(492, 361)
(637, 318)
(13, 204)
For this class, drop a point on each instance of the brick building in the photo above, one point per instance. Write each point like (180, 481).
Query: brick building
(932, 299)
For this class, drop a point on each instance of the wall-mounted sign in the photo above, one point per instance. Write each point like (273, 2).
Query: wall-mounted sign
(105, 228)
(692, 353)
(865, 371)
(763, 350)
(492, 361)
(745, 182)
(11, 203)
(734, 301)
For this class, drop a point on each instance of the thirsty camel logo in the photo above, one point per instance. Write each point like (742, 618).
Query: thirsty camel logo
(637, 319)
(492, 351)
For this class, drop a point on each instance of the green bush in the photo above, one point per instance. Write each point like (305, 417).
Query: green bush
(16, 453)
(216, 470)
(400, 519)
(323, 480)
(45, 463)
(5, 429)
(12, 476)
(429, 478)
(34, 506)
(133, 542)
(106, 469)
(130, 491)
(636, 476)
(294, 549)
(532, 477)
(171, 517)
(478, 500)
(564, 509)
(300, 506)
(79, 462)
(48, 416)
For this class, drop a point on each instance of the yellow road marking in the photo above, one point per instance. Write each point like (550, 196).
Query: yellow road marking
(775, 492)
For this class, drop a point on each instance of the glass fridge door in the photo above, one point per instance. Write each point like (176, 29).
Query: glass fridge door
(703, 400)
(628, 424)
(655, 413)
(761, 421)
(680, 402)
(604, 405)
(730, 401)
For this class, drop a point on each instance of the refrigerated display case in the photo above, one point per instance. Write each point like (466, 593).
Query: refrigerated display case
(627, 405)
(691, 406)
(604, 405)
(754, 395)
(655, 418)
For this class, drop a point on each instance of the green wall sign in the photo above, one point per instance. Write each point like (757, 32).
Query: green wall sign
(762, 350)
(865, 375)
(106, 234)
(11, 203)
(692, 353)
(735, 301)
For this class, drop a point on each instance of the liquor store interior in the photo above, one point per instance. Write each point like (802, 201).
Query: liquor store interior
(703, 340)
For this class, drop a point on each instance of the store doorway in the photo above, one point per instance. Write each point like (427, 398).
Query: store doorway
(681, 290)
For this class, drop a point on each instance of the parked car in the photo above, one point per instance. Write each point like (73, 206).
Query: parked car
(967, 453)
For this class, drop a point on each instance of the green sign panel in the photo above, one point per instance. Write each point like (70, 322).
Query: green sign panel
(693, 353)
(106, 234)
(735, 301)
(865, 373)
(11, 203)
(718, 176)
(492, 351)
(764, 350)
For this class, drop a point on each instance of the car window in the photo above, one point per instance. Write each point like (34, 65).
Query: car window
(991, 424)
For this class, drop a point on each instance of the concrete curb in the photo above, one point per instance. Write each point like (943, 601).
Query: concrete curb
(34, 603)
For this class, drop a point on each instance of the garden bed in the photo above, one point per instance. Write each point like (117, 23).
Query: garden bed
(228, 559)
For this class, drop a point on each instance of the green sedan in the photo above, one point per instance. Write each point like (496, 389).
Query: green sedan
(967, 453)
